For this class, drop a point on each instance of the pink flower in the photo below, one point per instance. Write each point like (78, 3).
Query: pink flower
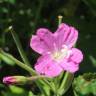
(56, 49)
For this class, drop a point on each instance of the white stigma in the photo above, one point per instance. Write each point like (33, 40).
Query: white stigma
(61, 54)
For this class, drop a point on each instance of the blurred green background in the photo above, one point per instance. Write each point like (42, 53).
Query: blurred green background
(28, 15)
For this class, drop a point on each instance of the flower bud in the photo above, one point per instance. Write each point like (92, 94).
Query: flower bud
(15, 80)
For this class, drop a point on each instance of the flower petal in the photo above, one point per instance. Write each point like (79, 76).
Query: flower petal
(72, 37)
(38, 45)
(66, 35)
(69, 66)
(41, 63)
(46, 66)
(53, 69)
(77, 55)
(61, 34)
(47, 37)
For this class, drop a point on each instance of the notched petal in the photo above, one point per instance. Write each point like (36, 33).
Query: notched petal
(70, 66)
(38, 45)
(77, 55)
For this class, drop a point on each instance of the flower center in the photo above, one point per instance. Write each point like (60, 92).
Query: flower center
(61, 54)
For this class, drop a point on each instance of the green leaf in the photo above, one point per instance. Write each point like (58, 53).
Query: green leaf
(30, 93)
(7, 60)
(93, 60)
(15, 89)
(93, 87)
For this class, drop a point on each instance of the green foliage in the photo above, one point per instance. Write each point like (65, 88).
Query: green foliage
(15, 91)
(85, 85)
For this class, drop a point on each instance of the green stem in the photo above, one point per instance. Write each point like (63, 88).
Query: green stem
(19, 46)
(64, 80)
(22, 65)
(60, 19)
(66, 83)
(41, 88)
(26, 67)
(36, 77)
(49, 84)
